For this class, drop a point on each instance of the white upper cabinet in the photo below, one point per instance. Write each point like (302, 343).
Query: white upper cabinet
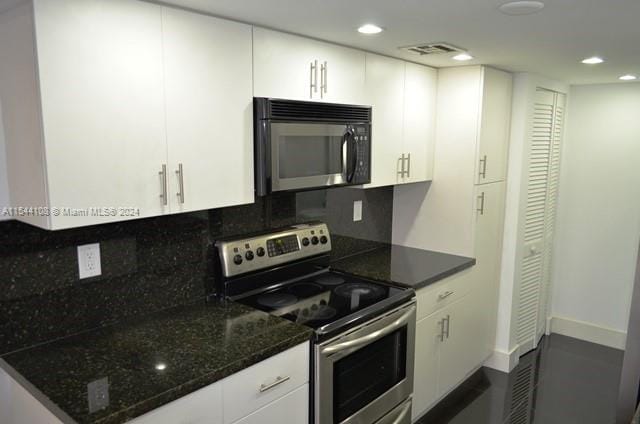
(102, 99)
(403, 97)
(420, 88)
(385, 93)
(291, 67)
(208, 80)
(494, 126)
(136, 106)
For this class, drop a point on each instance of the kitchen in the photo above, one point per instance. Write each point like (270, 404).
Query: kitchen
(266, 212)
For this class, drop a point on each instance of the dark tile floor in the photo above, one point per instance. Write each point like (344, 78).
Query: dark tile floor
(564, 381)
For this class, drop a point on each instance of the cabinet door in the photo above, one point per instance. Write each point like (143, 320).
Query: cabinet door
(291, 409)
(463, 347)
(101, 83)
(495, 126)
(419, 121)
(208, 80)
(488, 248)
(283, 66)
(425, 376)
(385, 93)
(341, 74)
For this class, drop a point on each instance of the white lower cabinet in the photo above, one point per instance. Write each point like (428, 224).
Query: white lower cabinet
(425, 381)
(290, 409)
(272, 391)
(265, 382)
(452, 340)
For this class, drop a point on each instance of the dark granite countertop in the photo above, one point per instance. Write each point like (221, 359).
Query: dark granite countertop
(194, 345)
(406, 266)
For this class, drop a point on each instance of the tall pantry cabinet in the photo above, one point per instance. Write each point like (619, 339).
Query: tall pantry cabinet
(462, 210)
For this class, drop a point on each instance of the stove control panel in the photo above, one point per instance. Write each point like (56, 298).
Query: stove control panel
(243, 255)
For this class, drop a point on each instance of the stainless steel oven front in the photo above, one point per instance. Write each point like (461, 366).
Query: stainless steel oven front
(366, 374)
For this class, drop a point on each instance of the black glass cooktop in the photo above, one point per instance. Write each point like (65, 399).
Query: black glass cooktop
(323, 299)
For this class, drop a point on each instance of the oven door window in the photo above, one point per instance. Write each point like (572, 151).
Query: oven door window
(305, 155)
(364, 375)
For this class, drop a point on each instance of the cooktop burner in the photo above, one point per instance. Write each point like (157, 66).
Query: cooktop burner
(276, 300)
(330, 279)
(316, 301)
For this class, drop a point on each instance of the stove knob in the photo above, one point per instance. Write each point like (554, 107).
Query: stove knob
(249, 255)
(237, 259)
(305, 241)
(260, 251)
(314, 240)
(324, 239)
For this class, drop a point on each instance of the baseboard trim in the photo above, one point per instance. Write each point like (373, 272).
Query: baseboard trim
(589, 332)
(503, 361)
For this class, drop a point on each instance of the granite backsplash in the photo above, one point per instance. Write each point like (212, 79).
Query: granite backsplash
(154, 264)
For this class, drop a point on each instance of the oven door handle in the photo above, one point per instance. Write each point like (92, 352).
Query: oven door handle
(378, 334)
(403, 413)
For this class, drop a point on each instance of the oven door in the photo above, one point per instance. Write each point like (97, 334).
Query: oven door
(310, 155)
(365, 374)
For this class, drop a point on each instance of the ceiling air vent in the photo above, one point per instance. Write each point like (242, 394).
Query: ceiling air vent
(432, 48)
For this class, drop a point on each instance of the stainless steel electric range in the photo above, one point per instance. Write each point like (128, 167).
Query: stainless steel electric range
(364, 330)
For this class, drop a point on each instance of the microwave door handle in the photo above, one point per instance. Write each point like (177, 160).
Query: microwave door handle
(345, 155)
(354, 158)
(401, 321)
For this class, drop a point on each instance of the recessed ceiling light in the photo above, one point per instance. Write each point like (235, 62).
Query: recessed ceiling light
(628, 77)
(161, 366)
(462, 57)
(370, 29)
(515, 8)
(593, 60)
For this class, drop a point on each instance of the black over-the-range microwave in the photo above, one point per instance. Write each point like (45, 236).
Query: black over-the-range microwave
(308, 145)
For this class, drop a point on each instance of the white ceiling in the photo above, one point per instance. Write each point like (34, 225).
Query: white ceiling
(550, 43)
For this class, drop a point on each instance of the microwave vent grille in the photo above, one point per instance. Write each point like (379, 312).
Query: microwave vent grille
(311, 111)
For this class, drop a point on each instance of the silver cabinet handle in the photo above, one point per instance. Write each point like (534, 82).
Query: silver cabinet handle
(483, 166)
(481, 209)
(408, 165)
(324, 79)
(401, 160)
(441, 335)
(443, 296)
(180, 192)
(399, 322)
(313, 78)
(279, 380)
(163, 184)
(448, 333)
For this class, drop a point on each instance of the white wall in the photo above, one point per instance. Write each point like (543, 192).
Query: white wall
(598, 223)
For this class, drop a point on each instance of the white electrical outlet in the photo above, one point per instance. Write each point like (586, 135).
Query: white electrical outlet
(357, 210)
(89, 260)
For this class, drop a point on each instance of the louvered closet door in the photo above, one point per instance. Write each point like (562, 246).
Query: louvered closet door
(550, 215)
(533, 258)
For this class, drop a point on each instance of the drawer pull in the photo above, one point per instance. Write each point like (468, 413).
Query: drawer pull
(444, 295)
(279, 380)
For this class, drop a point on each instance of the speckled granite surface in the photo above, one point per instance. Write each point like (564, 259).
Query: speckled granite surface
(415, 268)
(197, 344)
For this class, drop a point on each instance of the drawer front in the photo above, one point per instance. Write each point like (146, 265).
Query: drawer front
(263, 383)
(433, 298)
(291, 409)
(203, 406)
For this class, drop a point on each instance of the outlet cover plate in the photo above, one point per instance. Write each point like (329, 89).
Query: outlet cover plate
(89, 260)
(357, 210)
